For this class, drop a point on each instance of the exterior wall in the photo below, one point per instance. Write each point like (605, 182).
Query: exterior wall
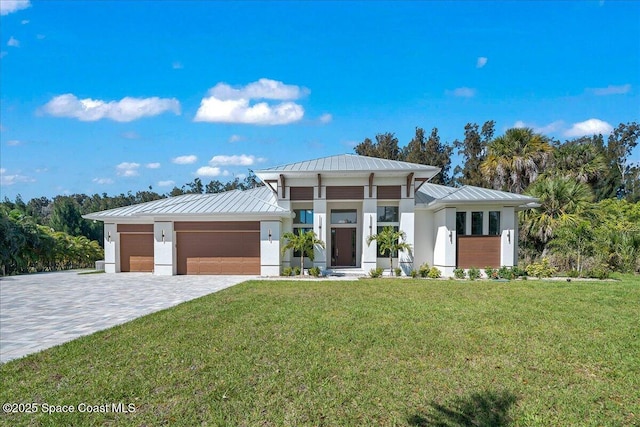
(164, 253)
(407, 222)
(509, 237)
(111, 248)
(444, 253)
(270, 234)
(320, 227)
(369, 226)
(424, 238)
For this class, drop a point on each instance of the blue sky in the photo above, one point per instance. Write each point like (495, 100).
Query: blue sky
(113, 96)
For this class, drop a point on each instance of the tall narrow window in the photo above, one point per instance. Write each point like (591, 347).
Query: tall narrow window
(388, 216)
(302, 222)
(461, 223)
(476, 223)
(494, 223)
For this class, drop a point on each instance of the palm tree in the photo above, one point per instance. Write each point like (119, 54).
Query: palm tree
(390, 241)
(563, 201)
(515, 159)
(303, 243)
(579, 159)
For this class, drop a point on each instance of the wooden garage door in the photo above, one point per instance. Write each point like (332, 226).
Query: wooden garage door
(218, 248)
(478, 251)
(136, 252)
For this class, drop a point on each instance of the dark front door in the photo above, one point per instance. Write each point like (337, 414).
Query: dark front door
(343, 247)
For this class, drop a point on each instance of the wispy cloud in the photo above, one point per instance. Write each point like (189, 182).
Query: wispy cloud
(25, 21)
(185, 160)
(235, 160)
(481, 62)
(225, 104)
(102, 181)
(125, 110)
(168, 183)
(13, 42)
(326, 118)
(236, 138)
(462, 92)
(610, 90)
(154, 165)
(209, 171)
(588, 128)
(177, 65)
(130, 135)
(11, 179)
(128, 169)
(10, 6)
(14, 143)
(546, 129)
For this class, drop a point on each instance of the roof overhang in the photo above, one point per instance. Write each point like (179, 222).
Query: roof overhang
(230, 216)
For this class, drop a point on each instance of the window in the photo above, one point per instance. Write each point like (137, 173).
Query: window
(303, 216)
(476, 223)
(494, 223)
(344, 216)
(387, 214)
(296, 231)
(461, 223)
(385, 254)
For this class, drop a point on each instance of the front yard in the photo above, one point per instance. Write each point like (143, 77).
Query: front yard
(368, 352)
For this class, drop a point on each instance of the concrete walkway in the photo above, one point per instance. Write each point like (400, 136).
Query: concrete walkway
(39, 311)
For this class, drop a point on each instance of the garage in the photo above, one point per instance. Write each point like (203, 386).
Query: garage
(224, 247)
(136, 247)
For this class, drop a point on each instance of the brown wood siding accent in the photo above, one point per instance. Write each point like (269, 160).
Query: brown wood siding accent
(478, 251)
(218, 252)
(218, 226)
(389, 192)
(135, 228)
(347, 192)
(136, 252)
(300, 193)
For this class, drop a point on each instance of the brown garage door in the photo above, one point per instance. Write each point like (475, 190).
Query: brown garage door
(218, 248)
(136, 252)
(478, 251)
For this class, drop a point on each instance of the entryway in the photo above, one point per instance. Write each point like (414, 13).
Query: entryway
(343, 247)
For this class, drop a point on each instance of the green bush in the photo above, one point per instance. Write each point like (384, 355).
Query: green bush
(398, 271)
(459, 273)
(518, 272)
(573, 273)
(376, 272)
(424, 270)
(434, 273)
(474, 273)
(414, 273)
(286, 271)
(600, 272)
(541, 269)
(314, 271)
(506, 273)
(491, 273)
(296, 271)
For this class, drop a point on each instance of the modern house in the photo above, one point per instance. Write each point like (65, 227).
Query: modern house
(344, 199)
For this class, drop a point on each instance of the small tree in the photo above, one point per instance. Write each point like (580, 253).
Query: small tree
(390, 241)
(303, 243)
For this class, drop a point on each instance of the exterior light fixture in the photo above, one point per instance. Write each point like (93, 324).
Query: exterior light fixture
(269, 235)
(163, 235)
(509, 235)
(320, 226)
(450, 236)
(109, 236)
(370, 225)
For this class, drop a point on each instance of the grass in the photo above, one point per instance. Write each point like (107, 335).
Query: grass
(369, 352)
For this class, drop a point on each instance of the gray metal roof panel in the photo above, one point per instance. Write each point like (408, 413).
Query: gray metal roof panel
(430, 193)
(348, 163)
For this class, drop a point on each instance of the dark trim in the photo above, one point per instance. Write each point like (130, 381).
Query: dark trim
(282, 183)
(135, 228)
(371, 185)
(409, 178)
(319, 186)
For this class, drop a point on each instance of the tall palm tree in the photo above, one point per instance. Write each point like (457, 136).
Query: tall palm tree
(579, 159)
(515, 159)
(563, 201)
(390, 241)
(303, 243)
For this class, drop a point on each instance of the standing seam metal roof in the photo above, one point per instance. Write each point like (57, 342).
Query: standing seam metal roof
(348, 163)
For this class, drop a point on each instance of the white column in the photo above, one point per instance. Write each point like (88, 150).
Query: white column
(369, 227)
(270, 233)
(508, 237)
(444, 253)
(111, 248)
(406, 212)
(321, 228)
(164, 246)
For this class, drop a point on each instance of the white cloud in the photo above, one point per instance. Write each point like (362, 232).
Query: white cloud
(10, 6)
(208, 171)
(25, 21)
(326, 118)
(168, 183)
(154, 165)
(236, 138)
(6, 179)
(14, 143)
(3, 53)
(103, 181)
(610, 90)
(130, 135)
(225, 104)
(177, 65)
(13, 42)
(127, 169)
(185, 160)
(589, 127)
(462, 92)
(481, 62)
(550, 128)
(125, 110)
(241, 160)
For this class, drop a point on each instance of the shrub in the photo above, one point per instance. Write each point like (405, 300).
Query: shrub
(505, 273)
(474, 273)
(376, 272)
(541, 269)
(573, 273)
(434, 273)
(459, 273)
(414, 273)
(600, 272)
(491, 273)
(398, 271)
(424, 270)
(296, 271)
(518, 272)
(314, 271)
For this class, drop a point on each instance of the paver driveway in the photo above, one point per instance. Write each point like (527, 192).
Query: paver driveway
(39, 311)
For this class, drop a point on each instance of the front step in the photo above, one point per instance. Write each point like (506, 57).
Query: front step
(342, 272)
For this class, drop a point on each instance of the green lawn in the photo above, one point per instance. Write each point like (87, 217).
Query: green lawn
(370, 352)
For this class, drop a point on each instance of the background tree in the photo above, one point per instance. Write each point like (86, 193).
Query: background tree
(619, 146)
(429, 152)
(580, 159)
(515, 159)
(385, 147)
(473, 152)
(304, 243)
(390, 241)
